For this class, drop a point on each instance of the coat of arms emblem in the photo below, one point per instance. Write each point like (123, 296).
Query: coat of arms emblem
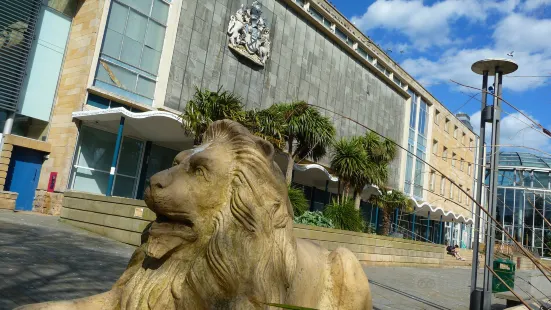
(249, 35)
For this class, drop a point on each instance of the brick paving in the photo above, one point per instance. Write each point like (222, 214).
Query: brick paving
(42, 259)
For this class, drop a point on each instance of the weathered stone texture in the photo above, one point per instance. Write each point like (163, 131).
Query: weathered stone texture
(305, 65)
(71, 95)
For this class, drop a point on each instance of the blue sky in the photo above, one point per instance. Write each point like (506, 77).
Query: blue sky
(436, 41)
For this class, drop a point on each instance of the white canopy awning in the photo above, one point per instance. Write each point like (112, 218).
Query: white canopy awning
(315, 175)
(423, 208)
(160, 127)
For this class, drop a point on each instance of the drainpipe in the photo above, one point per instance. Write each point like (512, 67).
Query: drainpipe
(115, 158)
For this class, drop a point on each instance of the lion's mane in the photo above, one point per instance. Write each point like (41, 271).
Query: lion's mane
(250, 257)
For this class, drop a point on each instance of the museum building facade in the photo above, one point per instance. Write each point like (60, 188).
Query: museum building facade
(130, 67)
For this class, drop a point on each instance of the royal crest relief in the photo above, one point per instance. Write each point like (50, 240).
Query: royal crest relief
(248, 34)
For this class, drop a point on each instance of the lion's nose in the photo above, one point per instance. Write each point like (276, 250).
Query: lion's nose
(161, 179)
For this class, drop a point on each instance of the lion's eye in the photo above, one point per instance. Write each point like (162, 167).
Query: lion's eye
(199, 172)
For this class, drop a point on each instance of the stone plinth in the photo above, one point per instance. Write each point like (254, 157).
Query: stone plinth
(7, 200)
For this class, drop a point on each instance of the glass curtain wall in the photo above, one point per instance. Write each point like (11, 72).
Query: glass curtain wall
(419, 177)
(411, 143)
(93, 162)
(132, 47)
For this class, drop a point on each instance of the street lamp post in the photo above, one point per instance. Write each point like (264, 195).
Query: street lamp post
(482, 299)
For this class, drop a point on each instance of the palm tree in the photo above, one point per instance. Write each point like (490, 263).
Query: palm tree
(380, 153)
(304, 131)
(208, 106)
(388, 201)
(349, 162)
(268, 125)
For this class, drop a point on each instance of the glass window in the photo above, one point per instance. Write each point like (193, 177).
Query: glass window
(436, 117)
(541, 179)
(146, 86)
(519, 214)
(443, 186)
(453, 159)
(117, 19)
(96, 151)
(469, 168)
(471, 145)
(155, 36)
(94, 158)
(135, 35)
(316, 14)
(131, 53)
(124, 186)
(461, 164)
(160, 11)
(529, 201)
(527, 176)
(434, 146)
(445, 154)
(137, 24)
(150, 60)
(397, 80)
(98, 102)
(131, 152)
(160, 158)
(509, 207)
(362, 52)
(113, 43)
(93, 163)
(423, 115)
(447, 125)
(413, 113)
(455, 130)
(538, 212)
(432, 180)
(506, 177)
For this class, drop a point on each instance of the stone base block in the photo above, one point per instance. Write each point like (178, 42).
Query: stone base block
(7, 200)
(48, 203)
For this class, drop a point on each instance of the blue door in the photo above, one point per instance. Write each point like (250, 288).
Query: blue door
(23, 174)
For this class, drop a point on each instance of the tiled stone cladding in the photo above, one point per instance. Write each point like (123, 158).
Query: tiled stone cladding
(305, 64)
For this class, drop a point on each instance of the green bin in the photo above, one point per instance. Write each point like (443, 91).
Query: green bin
(505, 269)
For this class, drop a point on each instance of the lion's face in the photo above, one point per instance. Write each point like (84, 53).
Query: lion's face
(186, 196)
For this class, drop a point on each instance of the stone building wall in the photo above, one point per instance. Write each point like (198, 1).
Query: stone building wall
(305, 64)
(71, 96)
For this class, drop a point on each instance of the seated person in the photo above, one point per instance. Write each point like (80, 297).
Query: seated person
(456, 253)
(449, 249)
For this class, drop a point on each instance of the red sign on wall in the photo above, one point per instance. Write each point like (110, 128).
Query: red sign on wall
(51, 182)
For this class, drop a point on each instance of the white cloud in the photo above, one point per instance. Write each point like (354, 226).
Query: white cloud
(526, 36)
(523, 34)
(532, 5)
(457, 66)
(515, 133)
(428, 25)
(424, 25)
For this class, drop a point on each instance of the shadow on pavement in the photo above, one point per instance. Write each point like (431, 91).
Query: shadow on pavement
(416, 298)
(79, 265)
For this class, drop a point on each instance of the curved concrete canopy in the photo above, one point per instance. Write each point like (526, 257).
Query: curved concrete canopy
(157, 126)
(423, 208)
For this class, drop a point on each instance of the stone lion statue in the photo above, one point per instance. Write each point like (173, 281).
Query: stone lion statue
(223, 239)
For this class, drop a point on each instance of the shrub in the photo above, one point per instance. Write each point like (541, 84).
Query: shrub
(344, 215)
(298, 201)
(315, 218)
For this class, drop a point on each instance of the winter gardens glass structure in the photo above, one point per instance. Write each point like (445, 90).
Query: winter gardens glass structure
(523, 189)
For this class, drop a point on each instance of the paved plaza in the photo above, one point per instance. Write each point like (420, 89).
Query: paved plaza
(44, 259)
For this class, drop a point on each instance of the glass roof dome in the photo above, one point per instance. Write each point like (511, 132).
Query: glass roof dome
(516, 159)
